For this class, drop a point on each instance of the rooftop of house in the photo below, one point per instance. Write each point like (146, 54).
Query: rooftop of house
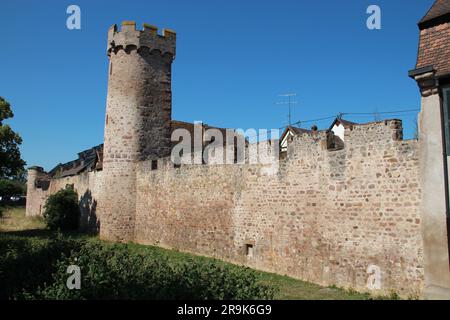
(345, 123)
(296, 130)
(92, 159)
(440, 11)
(88, 160)
(434, 51)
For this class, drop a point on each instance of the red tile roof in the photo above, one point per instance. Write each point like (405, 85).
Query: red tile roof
(440, 8)
(434, 46)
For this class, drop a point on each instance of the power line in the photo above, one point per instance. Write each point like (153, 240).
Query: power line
(339, 115)
(313, 120)
(385, 112)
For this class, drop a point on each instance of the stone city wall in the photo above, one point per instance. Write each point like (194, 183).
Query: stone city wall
(330, 217)
(87, 185)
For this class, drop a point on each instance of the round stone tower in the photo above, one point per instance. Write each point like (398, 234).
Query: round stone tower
(35, 195)
(138, 118)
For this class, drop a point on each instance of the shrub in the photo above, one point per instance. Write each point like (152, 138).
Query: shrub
(61, 211)
(26, 263)
(114, 272)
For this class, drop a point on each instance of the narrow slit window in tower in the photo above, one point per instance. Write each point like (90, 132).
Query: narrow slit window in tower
(249, 250)
(154, 164)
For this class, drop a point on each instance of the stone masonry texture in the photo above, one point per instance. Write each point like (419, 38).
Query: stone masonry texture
(138, 119)
(325, 216)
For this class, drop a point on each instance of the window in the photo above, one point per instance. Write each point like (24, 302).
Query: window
(249, 250)
(446, 105)
(154, 164)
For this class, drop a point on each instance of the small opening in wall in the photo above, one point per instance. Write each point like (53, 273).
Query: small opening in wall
(154, 164)
(177, 165)
(107, 119)
(110, 68)
(249, 250)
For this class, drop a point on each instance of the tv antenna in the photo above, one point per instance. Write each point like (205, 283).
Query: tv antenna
(289, 102)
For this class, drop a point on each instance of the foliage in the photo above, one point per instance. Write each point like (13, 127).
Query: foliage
(10, 188)
(11, 164)
(27, 263)
(113, 271)
(33, 264)
(61, 211)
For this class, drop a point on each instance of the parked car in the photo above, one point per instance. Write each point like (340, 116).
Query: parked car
(15, 200)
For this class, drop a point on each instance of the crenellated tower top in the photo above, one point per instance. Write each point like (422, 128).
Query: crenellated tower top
(131, 38)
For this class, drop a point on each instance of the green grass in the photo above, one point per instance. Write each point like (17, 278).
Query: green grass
(287, 288)
(14, 224)
(293, 289)
(13, 219)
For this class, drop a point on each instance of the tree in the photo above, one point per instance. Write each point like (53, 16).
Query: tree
(62, 211)
(10, 188)
(11, 163)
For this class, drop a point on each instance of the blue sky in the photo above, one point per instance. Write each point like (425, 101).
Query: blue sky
(233, 59)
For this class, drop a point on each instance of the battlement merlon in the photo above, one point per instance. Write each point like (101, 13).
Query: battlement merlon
(148, 37)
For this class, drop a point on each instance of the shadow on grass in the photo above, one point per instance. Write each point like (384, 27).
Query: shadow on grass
(39, 233)
(43, 234)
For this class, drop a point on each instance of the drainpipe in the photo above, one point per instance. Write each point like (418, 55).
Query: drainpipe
(445, 136)
(447, 198)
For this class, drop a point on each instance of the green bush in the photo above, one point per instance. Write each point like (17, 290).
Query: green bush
(27, 263)
(61, 211)
(113, 272)
(32, 269)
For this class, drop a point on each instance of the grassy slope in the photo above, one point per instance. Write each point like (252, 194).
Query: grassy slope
(14, 223)
(14, 219)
